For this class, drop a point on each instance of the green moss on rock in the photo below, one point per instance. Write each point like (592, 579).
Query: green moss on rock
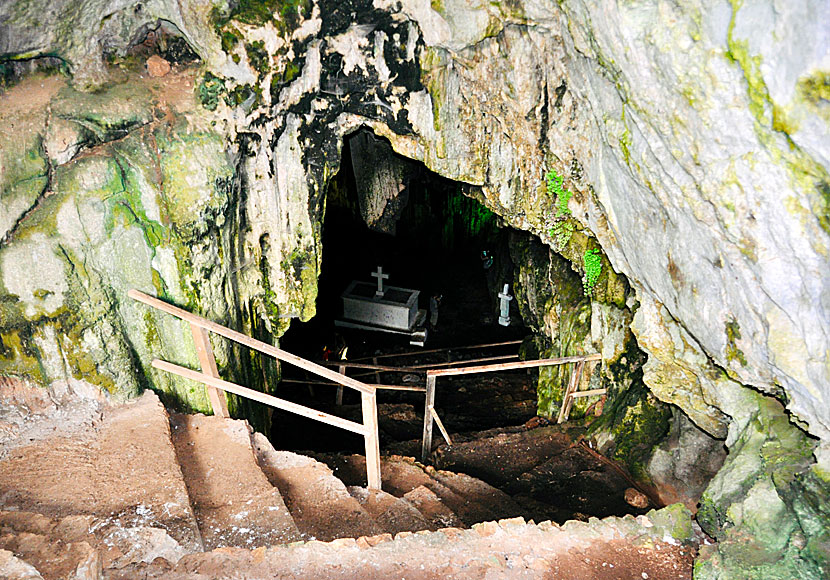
(766, 504)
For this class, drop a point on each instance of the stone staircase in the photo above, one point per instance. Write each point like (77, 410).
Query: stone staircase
(136, 493)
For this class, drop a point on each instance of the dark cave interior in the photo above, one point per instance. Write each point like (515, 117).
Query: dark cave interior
(437, 244)
(436, 248)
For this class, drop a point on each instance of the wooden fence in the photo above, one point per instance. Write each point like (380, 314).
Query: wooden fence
(201, 327)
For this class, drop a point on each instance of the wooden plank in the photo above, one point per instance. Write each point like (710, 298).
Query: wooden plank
(440, 425)
(204, 350)
(420, 367)
(260, 397)
(568, 399)
(565, 398)
(426, 440)
(589, 393)
(250, 342)
(513, 365)
(370, 425)
(384, 387)
(435, 350)
(463, 362)
(575, 377)
(374, 368)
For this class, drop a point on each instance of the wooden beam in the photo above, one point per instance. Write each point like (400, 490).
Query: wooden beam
(250, 342)
(434, 350)
(383, 387)
(369, 404)
(377, 372)
(513, 365)
(440, 425)
(373, 367)
(568, 399)
(260, 397)
(204, 350)
(426, 440)
(463, 362)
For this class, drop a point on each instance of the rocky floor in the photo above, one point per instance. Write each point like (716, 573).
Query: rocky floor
(135, 493)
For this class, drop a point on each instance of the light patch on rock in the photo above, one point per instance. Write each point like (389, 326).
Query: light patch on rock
(350, 46)
(143, 544)
(13, 568)
(308, 81)
(310, 26)
(35, 261)
(62, 140)
(435, 29)
(378, 61)
(164, 262)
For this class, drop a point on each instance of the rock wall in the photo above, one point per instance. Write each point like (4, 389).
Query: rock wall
(693, 138)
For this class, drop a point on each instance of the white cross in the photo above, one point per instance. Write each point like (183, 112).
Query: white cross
(381, 277)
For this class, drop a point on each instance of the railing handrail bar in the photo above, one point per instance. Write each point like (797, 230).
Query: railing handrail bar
(417, 369)
(513, 365)
(434, 350)
(250, 342)
(355, 365)
(264, 398)
(382, 387)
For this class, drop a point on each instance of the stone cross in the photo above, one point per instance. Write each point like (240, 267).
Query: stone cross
(381, 277)
(504, 307)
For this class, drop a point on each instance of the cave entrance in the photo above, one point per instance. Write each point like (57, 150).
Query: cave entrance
(383, 210)
(428, 233)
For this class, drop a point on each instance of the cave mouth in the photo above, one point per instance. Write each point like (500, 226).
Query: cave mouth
(430, 236)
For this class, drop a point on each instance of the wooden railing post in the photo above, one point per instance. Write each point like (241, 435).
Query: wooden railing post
(370, 424)
(338, 398)
(568, 399)
(204, 350)
(426, 441)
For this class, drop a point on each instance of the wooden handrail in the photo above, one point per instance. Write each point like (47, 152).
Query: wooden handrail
(261, 397)
(431, 415)
(216, 386)
(250, 342)
(376, 385)
(513, 365)
(445, 349)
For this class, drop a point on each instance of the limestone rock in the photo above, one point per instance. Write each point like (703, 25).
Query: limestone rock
(157, 66)
(693, 137)
(14, 568)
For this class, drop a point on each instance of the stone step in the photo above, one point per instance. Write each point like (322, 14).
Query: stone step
(482, 501)
(318, 501)
(54, 559)
(434, 510)
(121, 472)
(609, 548)
(392, 513)
(117, 545)
(234, 503)
(470, 499)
